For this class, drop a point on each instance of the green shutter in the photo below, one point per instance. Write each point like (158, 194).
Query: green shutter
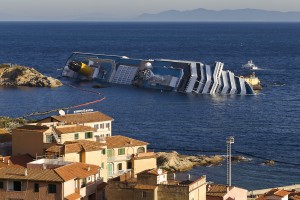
(103, 151)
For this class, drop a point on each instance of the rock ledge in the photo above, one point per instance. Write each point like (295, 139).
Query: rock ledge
(24, 76)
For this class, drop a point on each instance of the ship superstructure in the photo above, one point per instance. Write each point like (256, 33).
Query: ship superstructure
(163, 74)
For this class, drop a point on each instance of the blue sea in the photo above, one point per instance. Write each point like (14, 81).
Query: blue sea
(265, 126)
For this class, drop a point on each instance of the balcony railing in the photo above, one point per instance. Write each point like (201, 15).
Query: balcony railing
(119, 158)
(118, 172)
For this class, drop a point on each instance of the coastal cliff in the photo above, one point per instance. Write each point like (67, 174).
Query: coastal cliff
(24, 76)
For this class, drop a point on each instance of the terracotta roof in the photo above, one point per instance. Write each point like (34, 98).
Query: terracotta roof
(122, 141)
(76, 147)
(16, 161)
(217, 190)
(76, 170)
(153, 171)
(89, 145)
(33, 174)
(145, 187)
(74, 196)
(56, 149)
(73, 129)
(33, 128)
(83, 118)
(277, 192)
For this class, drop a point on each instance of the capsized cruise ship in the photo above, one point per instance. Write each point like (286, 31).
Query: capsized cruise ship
(162, 74)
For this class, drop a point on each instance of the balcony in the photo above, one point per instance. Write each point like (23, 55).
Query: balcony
(119, 158)
(90, 188)
(118, 172)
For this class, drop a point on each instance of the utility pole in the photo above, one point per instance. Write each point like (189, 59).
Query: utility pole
(229, 141)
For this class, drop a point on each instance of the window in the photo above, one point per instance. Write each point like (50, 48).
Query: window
(109, 153)
(48, 138)
(102, 165)
(121, 151)
(120, 166)
(51, 188)
(96, 126)
(101, 126)
(144, 194)
(76, 136)
(108, 125)
(17, 186)
(103, 151)
(1, 185)
(88, 135)
(36, 187)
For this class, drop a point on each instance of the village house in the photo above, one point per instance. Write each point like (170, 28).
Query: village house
(153, 184)
(116, 154)
(69, 181)
(224, 192)
(84, 151)
(100, 122)
(125, 154)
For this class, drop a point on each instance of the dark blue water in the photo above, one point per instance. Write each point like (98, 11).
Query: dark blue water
(266, 125)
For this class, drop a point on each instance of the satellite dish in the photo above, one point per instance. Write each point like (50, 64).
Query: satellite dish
(61, 112)
(148, 65)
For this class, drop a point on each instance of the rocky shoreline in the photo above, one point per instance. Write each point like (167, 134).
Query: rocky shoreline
(24, 76)
(172, 161)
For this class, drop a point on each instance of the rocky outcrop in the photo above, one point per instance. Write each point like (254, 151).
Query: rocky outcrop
(25, 76)
(173, 161)
(269, 162)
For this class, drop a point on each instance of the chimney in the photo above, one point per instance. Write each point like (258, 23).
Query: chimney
(174, 175)
(25, 173)
(189, 176)
(89, 168)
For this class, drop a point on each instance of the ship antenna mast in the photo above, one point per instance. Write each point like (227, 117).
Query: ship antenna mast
(229, 141)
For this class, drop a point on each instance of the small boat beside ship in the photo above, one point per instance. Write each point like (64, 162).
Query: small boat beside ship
(161, 74)
(250, 65)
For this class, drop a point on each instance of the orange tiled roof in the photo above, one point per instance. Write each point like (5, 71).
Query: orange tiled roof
(217, 190)
(73, 196)
(73, 129)
(277, 192)
(16, 161)
(153, 171)
(89, 145)
(122, 141)
(33, 174)
(87, 117)
(76, 170)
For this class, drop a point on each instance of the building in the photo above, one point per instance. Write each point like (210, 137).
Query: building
(70, 181)
(101, 122)
(153, 184)
(15, 161)
(31, 139)
(85, 151)
(224, 192)
(125, 154)
(44, 137)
